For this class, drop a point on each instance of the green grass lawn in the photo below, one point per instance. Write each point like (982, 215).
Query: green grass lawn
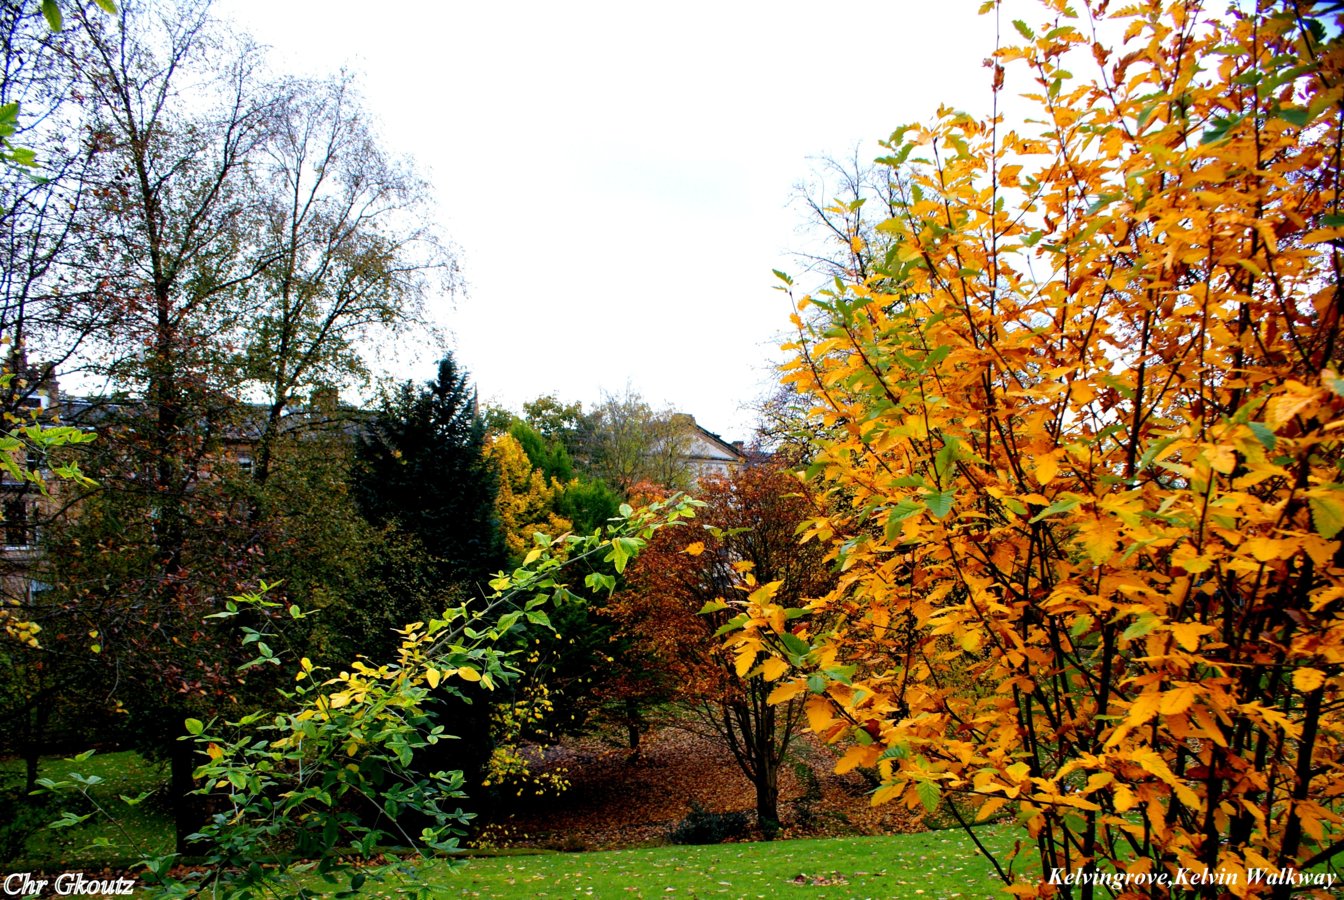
(144, 828)
(936, 864)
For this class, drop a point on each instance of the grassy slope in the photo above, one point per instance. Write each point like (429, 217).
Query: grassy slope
(939, 864)
(145, 828)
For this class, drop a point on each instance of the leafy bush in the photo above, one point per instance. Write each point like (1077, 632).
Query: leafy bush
(20, 818)
(704, 827)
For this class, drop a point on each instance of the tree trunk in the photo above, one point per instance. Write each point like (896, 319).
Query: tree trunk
(32, 742)
(634, 726)
(188, 811)
(767, 798)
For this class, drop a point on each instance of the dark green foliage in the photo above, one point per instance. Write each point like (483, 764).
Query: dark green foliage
(586, 501)
(550, 456)
(704, 827)
(420, 467)
(20, 818)
(589, 503)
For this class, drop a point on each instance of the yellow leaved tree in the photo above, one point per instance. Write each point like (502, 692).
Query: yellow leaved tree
(1085, 421)
(525, 503)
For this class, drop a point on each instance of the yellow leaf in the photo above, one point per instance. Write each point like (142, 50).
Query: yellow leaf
(1308, 679)
(1188, 633)
(1143, 708)
(1047, 467)
(1154, 763)
(1178, 700)
(1222, 459)
(1097, 781)
(886, 792)
(1099, 537)
(695, 549)
(1264, 549)
(773, 667)
(532, 556)
(432, 676)
(989, 807)
(1282, 408)
(785, 692)
(819, 715)
(857, 756)
(467, 674)
(214, 751)
(765, 593)
(1124, 798)
(744, 661)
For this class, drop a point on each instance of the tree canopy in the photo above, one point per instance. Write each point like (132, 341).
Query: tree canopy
(1080, 427)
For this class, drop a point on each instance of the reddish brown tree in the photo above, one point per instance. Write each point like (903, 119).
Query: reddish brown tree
(679, 593)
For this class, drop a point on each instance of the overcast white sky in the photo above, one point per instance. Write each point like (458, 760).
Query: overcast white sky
(618, 175)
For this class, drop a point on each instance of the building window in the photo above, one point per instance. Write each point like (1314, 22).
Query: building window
(245, 464)
(18, 528)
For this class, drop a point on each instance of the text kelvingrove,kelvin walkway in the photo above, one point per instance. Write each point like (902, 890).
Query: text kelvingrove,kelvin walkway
(1290, 877)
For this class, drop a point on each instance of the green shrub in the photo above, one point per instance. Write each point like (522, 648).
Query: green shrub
(704, 827)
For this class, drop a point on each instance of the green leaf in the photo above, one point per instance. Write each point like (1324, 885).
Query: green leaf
(947, 454)
(195, 726)
(1295, 115)
(940, 502)
(816, 683)
(597, 581)
(1063, 504)
(1327, 513)
(1141, 626)
(842, 674)
(929, 794)
(1024, 29)
(732, 624)
(1331, 220)
(1263, 433)
(51, 10)
(1219, 128)
(898, 514)
(1151, 453)
(796, 647)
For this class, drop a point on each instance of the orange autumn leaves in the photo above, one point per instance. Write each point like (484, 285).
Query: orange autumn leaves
(1085, 461)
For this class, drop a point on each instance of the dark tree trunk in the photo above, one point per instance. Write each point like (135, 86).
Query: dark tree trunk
(188, 811)
(31, 741)
(634, 726)
(767, 801)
